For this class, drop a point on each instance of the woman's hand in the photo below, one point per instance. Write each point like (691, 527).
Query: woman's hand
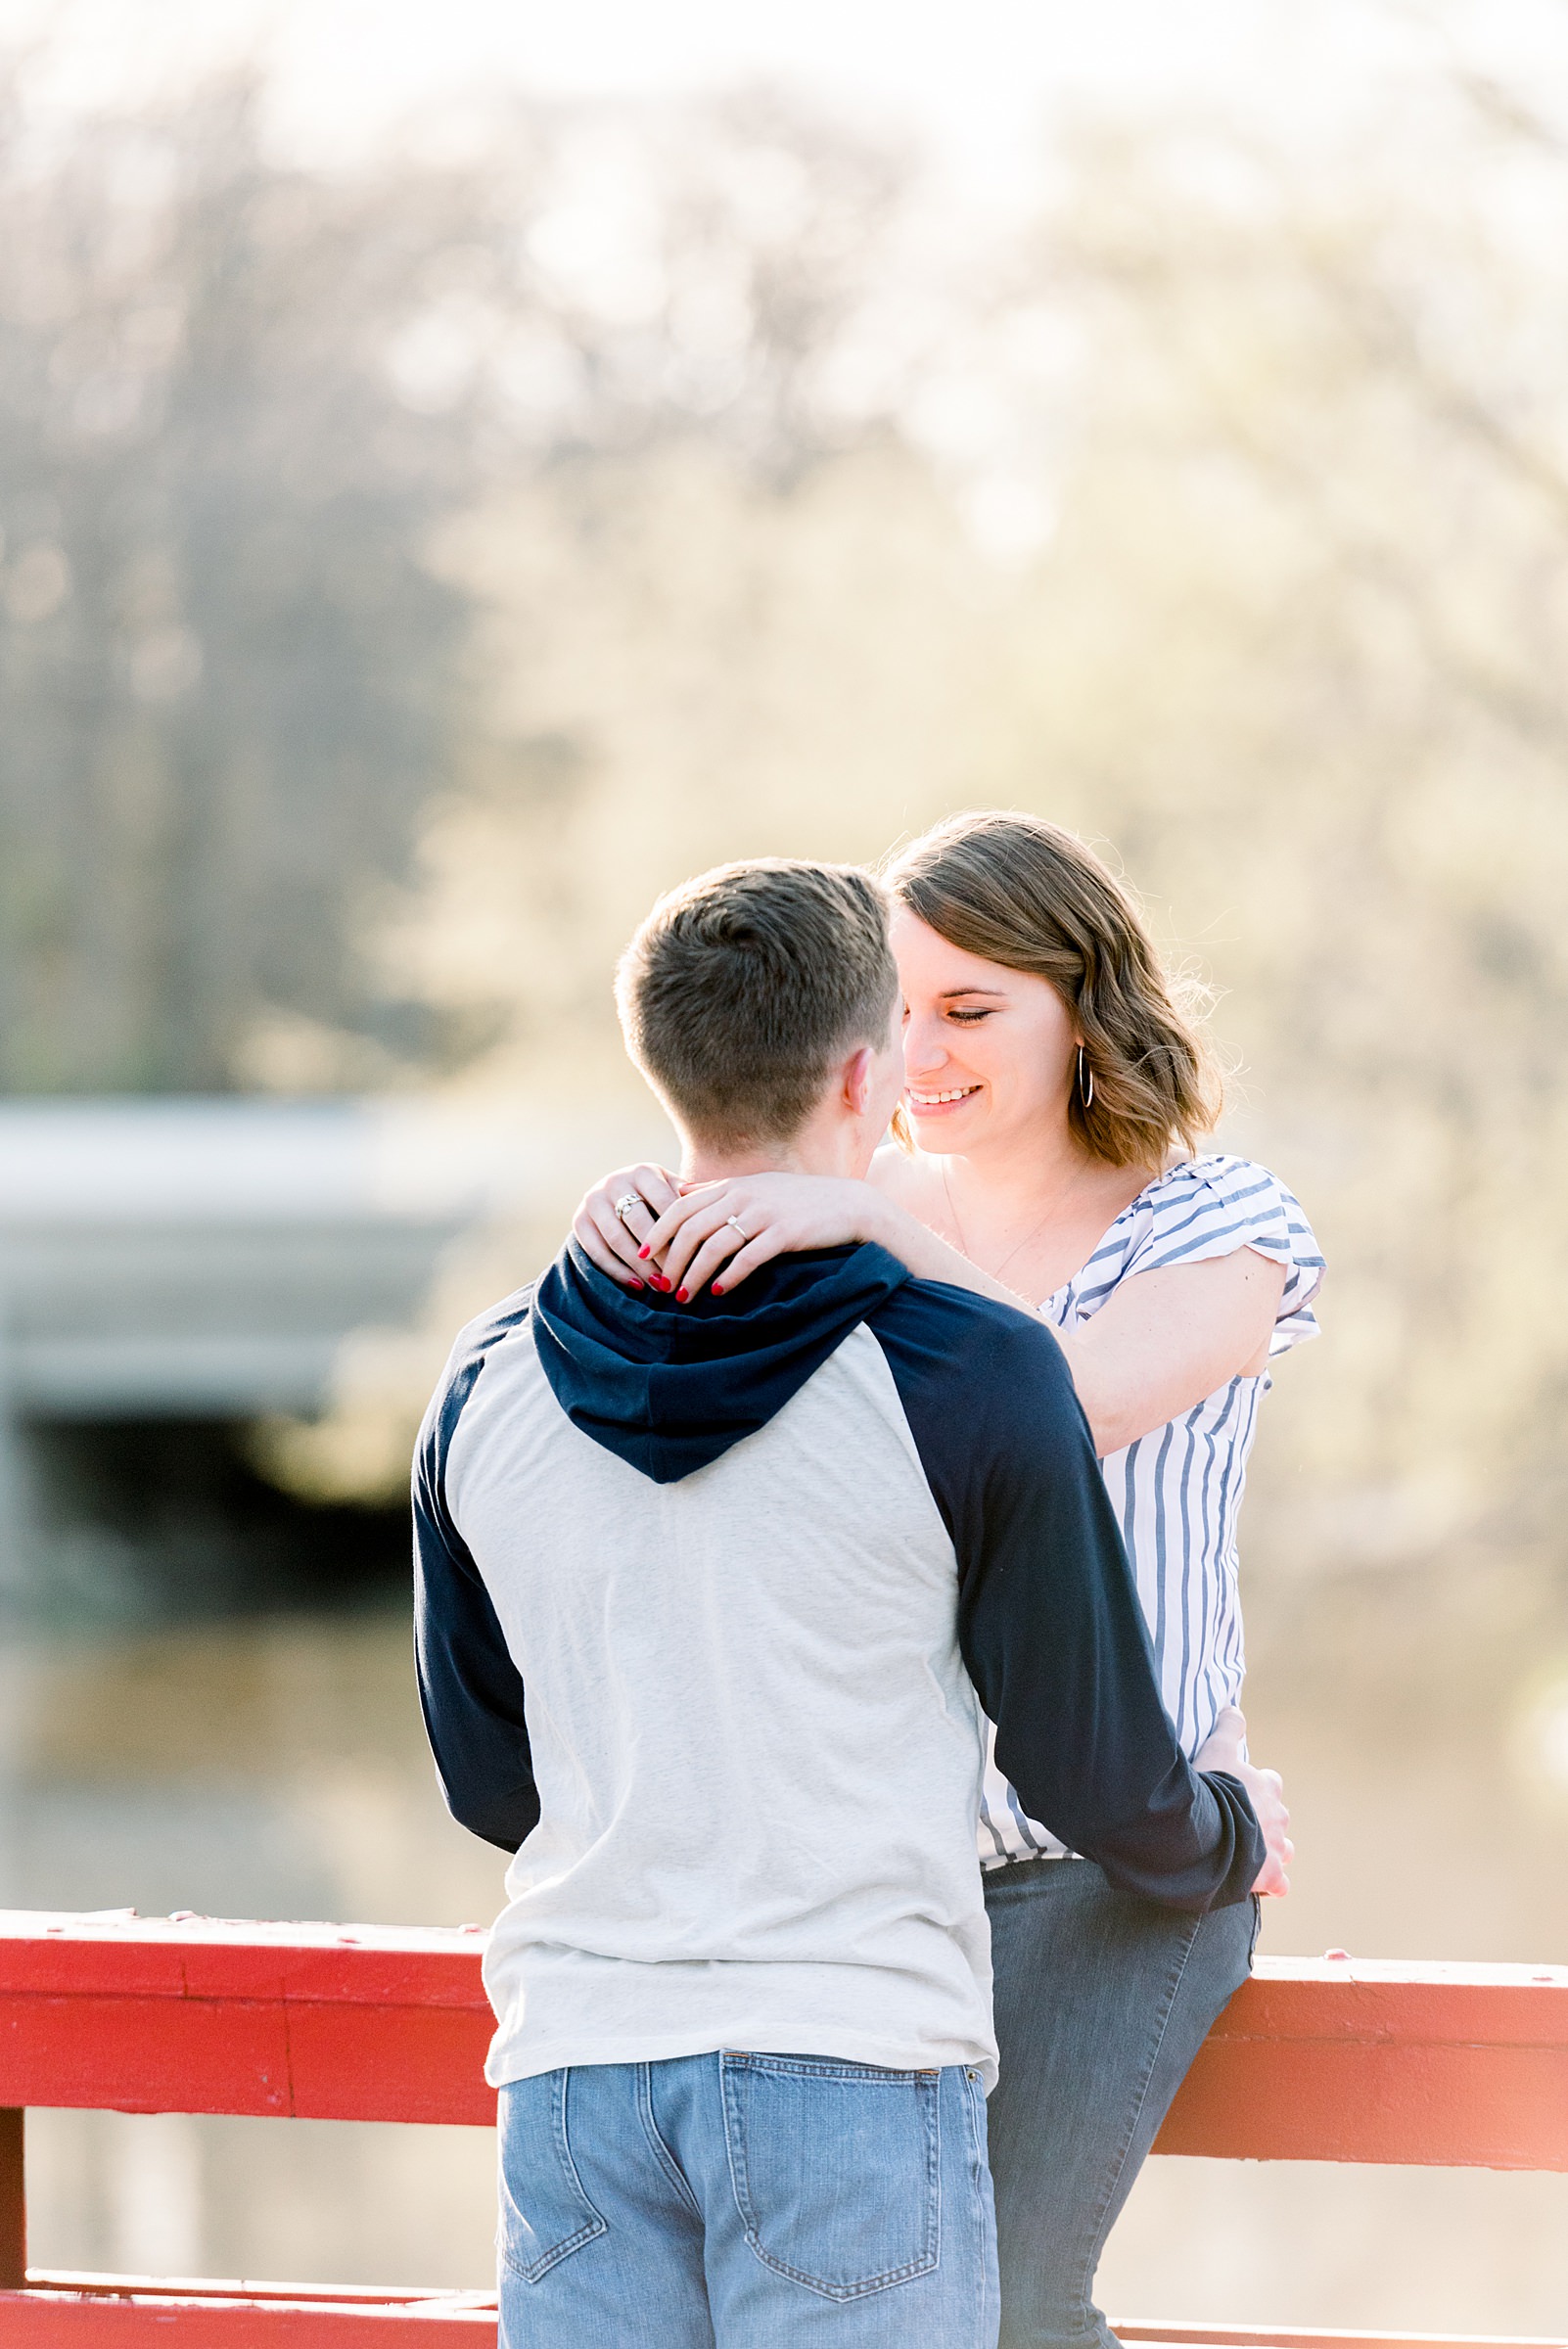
(734, 1226)
(1224, 1750)
(613, 1242)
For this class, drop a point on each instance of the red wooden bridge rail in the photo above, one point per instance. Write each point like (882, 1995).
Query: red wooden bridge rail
(1314, 2061)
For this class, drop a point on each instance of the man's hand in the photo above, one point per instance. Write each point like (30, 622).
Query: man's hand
(1222, 1751)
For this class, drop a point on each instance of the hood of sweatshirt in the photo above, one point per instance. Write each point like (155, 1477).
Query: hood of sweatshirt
(669, 1387)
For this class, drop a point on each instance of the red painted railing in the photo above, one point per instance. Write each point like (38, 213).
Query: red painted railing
(1314, 2061)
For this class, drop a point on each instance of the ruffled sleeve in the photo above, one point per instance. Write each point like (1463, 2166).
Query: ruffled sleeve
(1211, 1206)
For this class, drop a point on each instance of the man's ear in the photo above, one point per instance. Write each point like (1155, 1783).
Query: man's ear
(857, 1081)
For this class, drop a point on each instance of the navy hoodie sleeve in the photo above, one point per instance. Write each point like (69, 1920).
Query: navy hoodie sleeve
(470, 1689)
(1049, 1621)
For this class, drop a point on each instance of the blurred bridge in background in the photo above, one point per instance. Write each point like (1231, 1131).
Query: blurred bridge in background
(207, 1260)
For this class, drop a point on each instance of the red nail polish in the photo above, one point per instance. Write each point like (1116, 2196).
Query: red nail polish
(660, 1282)
(683, 1296)
(642, 1251)
(718, 1291)
(636, 1284)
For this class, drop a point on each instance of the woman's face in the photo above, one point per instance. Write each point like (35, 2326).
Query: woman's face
(989, 1053)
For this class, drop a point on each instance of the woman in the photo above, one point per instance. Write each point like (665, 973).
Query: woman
(1056, 1103)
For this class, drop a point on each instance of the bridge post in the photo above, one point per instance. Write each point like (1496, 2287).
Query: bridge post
(13, 2201)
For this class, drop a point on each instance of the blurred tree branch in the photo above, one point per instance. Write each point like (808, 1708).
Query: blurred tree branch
(239, 401)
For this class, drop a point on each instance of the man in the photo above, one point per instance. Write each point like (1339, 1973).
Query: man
(706, 1593)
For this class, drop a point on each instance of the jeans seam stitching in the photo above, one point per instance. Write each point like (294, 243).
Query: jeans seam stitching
(973, 2107)
(812, 2068)
(660, 2151)
(1140, 2099)
(596, 2223)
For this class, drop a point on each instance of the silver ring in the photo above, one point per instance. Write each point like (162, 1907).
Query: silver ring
(628, 1199)
(739, 1227)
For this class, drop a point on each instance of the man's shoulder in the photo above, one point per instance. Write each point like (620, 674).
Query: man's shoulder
(987, 1396)
(496, 1321)
(970, 1351)
(478, 1339)
(475, 1342)
(967, 1317)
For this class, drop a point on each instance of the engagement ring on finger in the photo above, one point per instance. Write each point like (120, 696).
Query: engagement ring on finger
(739, 1227)
(628, 1199)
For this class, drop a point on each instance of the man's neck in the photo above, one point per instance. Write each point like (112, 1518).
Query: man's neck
(806, 1154)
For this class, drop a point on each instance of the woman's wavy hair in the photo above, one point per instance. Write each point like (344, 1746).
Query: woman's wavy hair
(1023, 893)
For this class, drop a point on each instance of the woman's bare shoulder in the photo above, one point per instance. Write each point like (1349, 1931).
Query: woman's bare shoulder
(902, 1177)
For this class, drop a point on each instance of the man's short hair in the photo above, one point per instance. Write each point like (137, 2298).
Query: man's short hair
(743, 988)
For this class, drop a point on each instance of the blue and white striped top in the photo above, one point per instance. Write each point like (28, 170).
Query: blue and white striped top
(1178, 1489)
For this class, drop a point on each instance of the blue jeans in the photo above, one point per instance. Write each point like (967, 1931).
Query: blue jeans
(744, 2202)
(1102, 2001)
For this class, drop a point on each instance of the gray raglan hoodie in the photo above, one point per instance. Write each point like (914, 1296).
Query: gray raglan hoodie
(711, 1601)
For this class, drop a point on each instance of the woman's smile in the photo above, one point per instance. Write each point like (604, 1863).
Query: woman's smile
(928, 1101)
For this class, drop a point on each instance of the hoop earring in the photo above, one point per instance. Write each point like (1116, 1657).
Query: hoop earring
(1086, 1090)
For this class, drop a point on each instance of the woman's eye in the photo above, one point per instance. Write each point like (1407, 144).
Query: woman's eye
(967, 1019)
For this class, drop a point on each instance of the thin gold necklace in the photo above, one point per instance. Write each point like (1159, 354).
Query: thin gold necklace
(964, 1247)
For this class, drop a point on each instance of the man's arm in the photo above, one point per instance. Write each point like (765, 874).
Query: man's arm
(470, 1691)
(1048, 1614)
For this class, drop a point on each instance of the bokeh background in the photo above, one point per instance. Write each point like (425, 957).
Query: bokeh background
(464, 467)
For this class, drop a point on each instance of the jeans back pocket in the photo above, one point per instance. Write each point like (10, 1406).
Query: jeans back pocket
(836, 2169)
(545, 2214)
